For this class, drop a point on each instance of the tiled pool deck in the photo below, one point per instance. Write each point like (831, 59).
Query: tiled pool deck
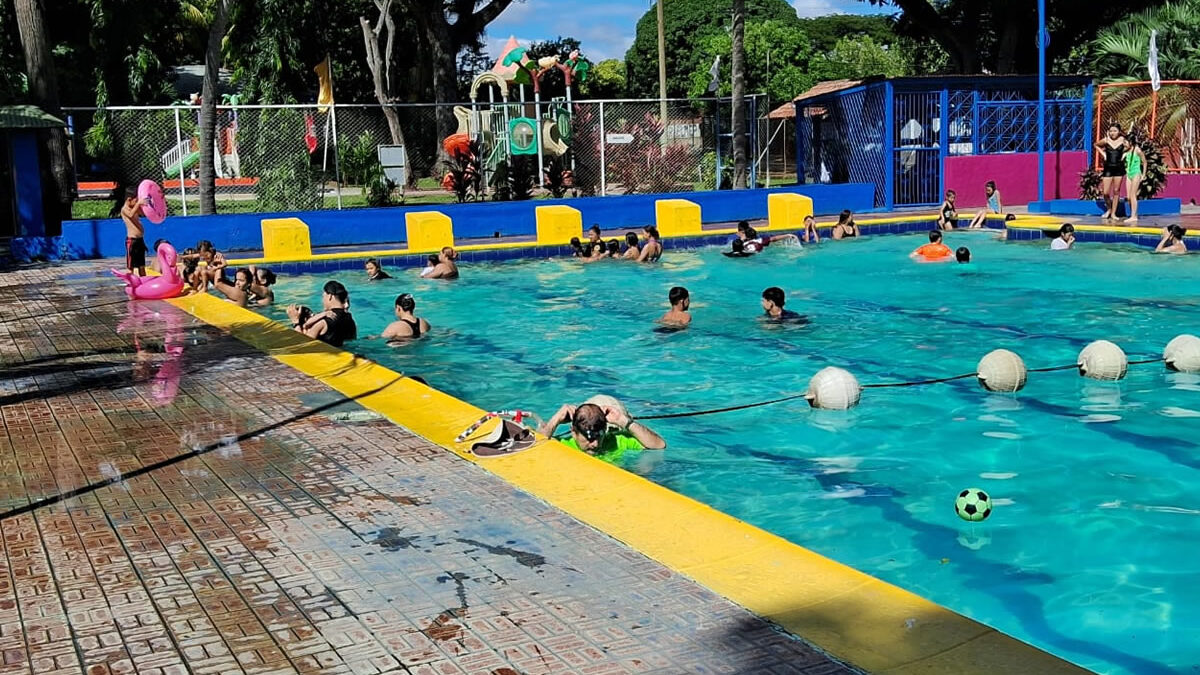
(233, 516)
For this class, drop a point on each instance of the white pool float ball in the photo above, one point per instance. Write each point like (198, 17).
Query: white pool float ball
(1102, 360)
(1002, 370)
(1183, 354)
(833, 389)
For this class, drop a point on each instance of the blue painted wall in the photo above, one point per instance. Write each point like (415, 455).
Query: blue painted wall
(27, 176)
(242, 232)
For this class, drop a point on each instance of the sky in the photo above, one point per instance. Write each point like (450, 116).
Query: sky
(606, 27)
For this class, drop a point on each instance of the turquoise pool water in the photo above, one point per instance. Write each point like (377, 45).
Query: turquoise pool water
(1092, 551)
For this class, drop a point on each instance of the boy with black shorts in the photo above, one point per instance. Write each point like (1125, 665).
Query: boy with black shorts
(135, 242)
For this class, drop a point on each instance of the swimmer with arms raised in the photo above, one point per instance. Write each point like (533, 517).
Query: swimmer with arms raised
(604, 432)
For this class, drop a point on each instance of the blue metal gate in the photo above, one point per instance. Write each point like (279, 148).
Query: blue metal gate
(917, 149)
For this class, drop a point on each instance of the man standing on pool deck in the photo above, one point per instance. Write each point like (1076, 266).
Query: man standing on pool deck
(135, 232)
(607, 433)
(445, 269)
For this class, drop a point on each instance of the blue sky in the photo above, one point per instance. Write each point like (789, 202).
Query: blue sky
(606, 27)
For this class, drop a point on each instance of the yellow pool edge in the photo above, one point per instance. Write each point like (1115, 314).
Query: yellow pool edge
(1043, 222)
(877, 627)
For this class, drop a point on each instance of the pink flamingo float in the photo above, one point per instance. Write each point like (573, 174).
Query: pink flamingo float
(168, 284)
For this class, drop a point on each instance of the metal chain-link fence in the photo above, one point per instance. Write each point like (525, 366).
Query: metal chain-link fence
(282, 158)
(1171, 116)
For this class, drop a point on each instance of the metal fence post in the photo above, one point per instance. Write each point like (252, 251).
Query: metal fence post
(337, 161)
(179, 142)
(603, 164)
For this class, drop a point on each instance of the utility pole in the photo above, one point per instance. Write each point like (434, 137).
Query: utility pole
(662, 67)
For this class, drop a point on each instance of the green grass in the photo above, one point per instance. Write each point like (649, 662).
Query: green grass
(89, 209)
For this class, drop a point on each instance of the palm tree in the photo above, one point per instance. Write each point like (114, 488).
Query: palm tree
(1121, 54)
(208, 105)
(738, 68)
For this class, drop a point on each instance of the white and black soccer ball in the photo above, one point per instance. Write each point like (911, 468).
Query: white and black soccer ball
(973, 504)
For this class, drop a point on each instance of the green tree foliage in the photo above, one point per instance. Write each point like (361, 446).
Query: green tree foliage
(1120, 50)
(861, 57)
(791, 54)
(12, 61)
(274, 44)
(606, 80)
(824, 32)
(998, 36)
(686, 24)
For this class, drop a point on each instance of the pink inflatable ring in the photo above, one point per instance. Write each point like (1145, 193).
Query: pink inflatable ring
(154, 206)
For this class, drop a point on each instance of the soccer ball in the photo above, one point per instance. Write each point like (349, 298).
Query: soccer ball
(973, 504)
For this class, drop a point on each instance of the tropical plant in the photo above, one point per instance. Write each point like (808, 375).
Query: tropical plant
(379, 187)
(359, 160)
(559, 178)
(521, 174)
(1121, 50)
(464, 177)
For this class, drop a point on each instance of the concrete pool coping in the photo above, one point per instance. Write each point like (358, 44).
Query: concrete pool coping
(874, 625)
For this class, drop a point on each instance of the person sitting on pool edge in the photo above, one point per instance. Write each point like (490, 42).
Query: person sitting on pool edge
(963, 255)
(332, 326)
(375, 271)
(446, 267)
(935, 250)
(604, 432)
(947, 217)
(772, 303)
(1172, 240)
(407, 325)
(678, 316)
(1065, 238)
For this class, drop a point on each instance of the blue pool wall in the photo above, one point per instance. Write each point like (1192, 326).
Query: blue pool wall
(534, 251)
(242, 232)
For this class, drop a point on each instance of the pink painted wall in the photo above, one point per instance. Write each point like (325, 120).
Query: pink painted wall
(1015, 176)
(1185, 187)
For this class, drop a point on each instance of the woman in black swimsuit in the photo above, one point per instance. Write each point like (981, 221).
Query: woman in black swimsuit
(1110, 154)
(333, 326)
(406, 325)
(846, 228)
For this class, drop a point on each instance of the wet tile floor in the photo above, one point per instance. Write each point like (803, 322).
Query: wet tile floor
(172, 501)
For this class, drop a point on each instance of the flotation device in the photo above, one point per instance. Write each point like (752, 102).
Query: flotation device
(934, 251)
(154, 206)
(168, 284)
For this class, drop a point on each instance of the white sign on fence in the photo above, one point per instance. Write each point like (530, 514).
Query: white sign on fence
(618, 139)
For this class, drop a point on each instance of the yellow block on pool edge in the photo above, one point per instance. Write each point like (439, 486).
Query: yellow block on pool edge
(787, 210)
(428, 230)
(557, 224)
(677, 217)
(285, 239)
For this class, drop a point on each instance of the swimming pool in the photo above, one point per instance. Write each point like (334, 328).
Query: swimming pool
(1088, 554)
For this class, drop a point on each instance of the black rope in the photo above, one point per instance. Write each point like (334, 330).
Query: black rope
(881, 385)
(720, 410)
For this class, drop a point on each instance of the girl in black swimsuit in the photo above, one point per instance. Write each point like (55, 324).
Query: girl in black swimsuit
(846, 228)
(1110, 154)
(406, 325)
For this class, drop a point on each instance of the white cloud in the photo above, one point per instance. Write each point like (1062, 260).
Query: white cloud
(605, 30)
(810, 8)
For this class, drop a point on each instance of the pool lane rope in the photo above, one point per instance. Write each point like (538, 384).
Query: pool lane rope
(1000, 371)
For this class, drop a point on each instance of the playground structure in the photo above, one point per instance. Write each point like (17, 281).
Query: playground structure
(503, 129)
(183, 159)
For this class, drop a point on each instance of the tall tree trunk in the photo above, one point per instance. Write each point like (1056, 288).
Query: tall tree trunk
(445, 75)
(208, 108)
(378, 62)
(739, 94)
(43, 89)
